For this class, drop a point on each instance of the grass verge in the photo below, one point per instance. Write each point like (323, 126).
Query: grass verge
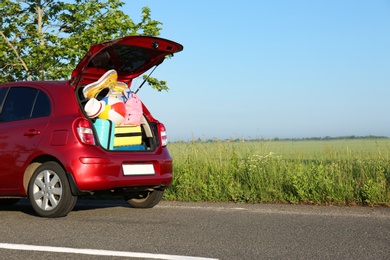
(342, 172)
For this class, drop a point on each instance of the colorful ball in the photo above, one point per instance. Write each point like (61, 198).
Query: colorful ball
(114, 110)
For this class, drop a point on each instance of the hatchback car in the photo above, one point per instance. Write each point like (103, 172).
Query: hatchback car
(53, 150)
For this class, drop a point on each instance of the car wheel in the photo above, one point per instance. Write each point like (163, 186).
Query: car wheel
(49, 191)
(146, 199)
(9, 202)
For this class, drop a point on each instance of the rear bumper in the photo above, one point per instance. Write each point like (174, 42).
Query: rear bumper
(96, 173)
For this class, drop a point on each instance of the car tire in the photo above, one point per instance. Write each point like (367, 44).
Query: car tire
(49, 191)
(146, 199)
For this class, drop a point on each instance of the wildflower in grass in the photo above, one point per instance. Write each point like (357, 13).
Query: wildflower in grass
(255, 162)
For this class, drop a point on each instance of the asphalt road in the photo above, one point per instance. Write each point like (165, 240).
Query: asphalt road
(174, 230)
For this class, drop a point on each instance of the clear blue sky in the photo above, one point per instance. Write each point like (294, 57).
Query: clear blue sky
(265, 69)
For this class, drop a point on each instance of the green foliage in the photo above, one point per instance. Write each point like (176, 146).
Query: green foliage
(326, 172)
(44, 40)
(159, 85)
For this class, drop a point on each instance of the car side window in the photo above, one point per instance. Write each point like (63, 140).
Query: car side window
(42, 106)
(24, 103)
(3, 93)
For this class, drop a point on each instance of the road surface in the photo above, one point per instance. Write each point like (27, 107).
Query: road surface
(109, 229)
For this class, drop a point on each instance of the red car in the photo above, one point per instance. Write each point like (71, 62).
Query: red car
(53, 150)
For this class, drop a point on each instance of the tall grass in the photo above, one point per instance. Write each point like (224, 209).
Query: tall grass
(353, 172)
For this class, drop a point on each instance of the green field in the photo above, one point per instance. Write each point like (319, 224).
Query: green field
(339, 172)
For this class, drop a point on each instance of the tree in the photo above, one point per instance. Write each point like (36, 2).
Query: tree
(45, 39)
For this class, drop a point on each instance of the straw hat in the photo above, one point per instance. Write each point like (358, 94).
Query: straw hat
(94, 107)
(106, 82)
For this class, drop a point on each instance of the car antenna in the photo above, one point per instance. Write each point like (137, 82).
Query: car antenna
(145, 80)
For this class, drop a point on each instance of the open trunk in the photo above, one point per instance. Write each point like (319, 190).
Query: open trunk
(105, 74)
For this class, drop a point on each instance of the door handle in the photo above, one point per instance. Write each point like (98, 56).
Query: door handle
(32, 132)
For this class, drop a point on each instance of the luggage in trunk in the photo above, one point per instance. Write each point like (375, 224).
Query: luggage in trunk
(105, 130)
(127, 135)
(130, 148)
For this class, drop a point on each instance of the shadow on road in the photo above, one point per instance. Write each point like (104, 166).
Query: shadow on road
(83, 203)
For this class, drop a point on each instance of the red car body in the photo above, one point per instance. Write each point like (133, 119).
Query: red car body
(66, 137)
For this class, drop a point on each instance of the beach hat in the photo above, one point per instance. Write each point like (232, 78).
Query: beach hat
(119, 87)
(94, 107)
(119, 91)
(104, 85)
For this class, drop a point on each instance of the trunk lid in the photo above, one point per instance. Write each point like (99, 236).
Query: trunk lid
(130, 56)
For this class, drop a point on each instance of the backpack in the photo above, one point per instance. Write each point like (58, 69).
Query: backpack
(133, 110)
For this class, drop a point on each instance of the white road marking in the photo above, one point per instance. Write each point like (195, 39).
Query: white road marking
(98, 252)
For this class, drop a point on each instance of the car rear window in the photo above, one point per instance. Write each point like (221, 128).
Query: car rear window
(127, 58)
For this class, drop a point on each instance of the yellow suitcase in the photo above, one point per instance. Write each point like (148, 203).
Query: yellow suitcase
(127, 135)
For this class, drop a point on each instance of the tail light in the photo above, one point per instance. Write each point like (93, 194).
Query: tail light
(84, 131)
(163, 135)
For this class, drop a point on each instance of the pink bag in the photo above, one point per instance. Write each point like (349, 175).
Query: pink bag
(133, 110)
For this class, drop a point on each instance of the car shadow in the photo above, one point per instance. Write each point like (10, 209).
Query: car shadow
(23, 205)
(91, 203)
(82, 204)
